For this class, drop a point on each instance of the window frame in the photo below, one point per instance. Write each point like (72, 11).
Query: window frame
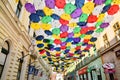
(6, 52)
(106, 41)
(18, 9)
(116, 28)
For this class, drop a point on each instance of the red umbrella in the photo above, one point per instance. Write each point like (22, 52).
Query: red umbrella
(57, 41)
(92, 19)
(78, 47)
(64, 34)
(64, 22)
(63, 47)
(83, 30)
(113, 9)
(60, 3)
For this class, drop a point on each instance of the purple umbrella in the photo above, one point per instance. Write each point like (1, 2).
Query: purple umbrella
(99, 2)
(76, 40)
(76, 13)
(63, 44)
(64, 28)
(70, 35)
(50, 3)
(30, 7)
(104, 25)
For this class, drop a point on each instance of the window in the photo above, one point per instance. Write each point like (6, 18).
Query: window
(3, 56)
(18, 10)
(34, 35)
(106, 42)
(116, 27)
(20, 67)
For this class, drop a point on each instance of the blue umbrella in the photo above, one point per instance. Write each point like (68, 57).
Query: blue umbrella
(40, 13)
(55, 16)
(40, 37)
(34, 17)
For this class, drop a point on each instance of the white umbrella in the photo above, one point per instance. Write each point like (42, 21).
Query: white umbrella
(97, 10)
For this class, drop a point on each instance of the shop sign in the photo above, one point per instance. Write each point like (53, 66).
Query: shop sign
(36, 72)
(82, 71)
(117, 53)
(108, 65)
(31, 69)
(109, 70)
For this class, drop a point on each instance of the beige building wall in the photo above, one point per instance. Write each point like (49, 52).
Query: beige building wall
(15, 31)
(108, 55)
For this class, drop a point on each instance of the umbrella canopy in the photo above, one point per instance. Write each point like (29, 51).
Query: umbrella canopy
(66, 30)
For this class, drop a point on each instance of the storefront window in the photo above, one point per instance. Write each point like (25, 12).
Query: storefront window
(111, 76)
(3, 56)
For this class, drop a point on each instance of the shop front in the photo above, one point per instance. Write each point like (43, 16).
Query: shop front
(95, 70)
(83, 75)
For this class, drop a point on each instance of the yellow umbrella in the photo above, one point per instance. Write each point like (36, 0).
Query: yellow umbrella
(47, 11)
(116, 2)
(101, 17)
(88, 7)
(72, 25)
(35, 26)
(77, 35)
(68, 44)
(87, 36)
(46, 26)
(55, 36)
(65, 16)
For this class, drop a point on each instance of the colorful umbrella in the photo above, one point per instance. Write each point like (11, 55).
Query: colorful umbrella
(69, 8)
(113, 9)
(34, 17)
(40, 13)
(60, 3)
(76, 13)
(88, 7)
(99, 2)
(35, 26)
(56, 31)
(30, 7)
(50, 3)
(79, 3)
(64, 28)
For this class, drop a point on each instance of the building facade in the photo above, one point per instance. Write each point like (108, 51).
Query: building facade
(108, 45)
(95, 66)
(17, 51)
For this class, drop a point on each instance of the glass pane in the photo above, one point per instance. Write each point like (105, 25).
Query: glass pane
(2, 58)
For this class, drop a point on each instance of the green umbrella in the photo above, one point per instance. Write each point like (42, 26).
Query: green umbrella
(69, 8)
(108, 2)
(83, 17)
(82, 36)
(98, 24)
(63, 39)
(99, 30)
(79, 44)
(46, 19)
(56, 31)
(76, 30)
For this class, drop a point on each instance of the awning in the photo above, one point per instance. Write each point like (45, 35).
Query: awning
(83, 70)
(109, 71)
